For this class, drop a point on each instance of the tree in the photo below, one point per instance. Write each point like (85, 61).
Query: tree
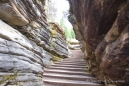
(69, 33)
(64, 28)
(50, 10)
(72, 34)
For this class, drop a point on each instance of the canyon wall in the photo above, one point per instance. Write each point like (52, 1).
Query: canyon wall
(102, 26)
(28, 43)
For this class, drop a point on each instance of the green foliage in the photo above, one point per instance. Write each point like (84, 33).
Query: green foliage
(37, 1)
(50, 10)
(69, 33)
(72, 34)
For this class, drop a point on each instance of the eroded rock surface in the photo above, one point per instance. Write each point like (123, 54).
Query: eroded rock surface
(102, 28)
(27, 43)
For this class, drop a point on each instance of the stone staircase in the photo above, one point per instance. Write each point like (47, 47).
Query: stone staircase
(69, 72)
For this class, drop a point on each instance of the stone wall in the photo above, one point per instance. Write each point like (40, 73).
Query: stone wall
(28, 43)
(102, 26)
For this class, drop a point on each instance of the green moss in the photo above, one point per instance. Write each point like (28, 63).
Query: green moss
(87, 66)
(8, 78)
(53, 32)
(56, 58)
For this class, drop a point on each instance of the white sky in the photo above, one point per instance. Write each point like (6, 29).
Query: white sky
(62, 6)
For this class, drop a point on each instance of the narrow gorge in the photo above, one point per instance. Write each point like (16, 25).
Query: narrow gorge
(29, 43)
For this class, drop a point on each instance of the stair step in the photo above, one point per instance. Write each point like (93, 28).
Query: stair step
(71, 66)
(69, 72)
(70, 62)
(65, 82)
(73, 58)
(69, 77)
(79, 62)
(65, 74)
(80, 59)
(66, 68)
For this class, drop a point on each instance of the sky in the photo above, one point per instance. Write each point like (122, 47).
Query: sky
(62, 6)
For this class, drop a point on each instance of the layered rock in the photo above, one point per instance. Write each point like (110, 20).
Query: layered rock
(27, 44)
(102, 28)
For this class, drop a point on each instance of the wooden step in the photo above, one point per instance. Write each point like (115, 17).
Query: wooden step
(65, 74)
(70, 66)
(69, 77)
(68, 72)
(74, 64)
(65, 82)
(66, 68)
(73, 60)
(77, 62)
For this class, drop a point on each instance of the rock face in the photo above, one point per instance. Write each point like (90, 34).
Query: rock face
(27, 43)
(102, 26)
